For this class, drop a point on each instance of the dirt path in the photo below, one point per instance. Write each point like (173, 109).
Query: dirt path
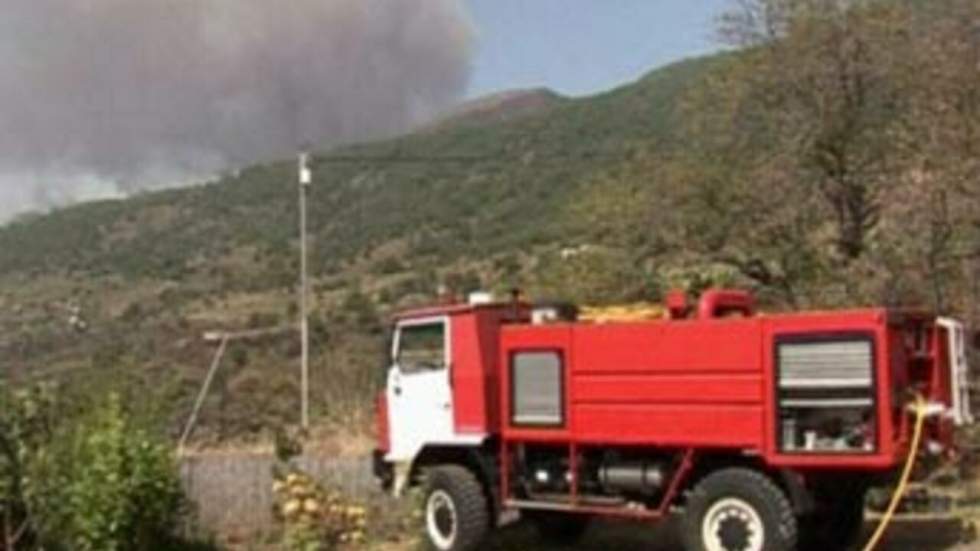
(903, 536)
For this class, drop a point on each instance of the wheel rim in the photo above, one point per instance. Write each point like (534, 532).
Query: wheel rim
(731, 524)
(441, 519)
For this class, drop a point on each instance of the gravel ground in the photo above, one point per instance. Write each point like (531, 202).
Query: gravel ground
(932, 535)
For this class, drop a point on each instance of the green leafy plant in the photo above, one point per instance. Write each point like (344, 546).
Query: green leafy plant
(113, 487)
(94, 481)
(27, 421)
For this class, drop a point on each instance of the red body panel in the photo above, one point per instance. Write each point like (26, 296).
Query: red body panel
(381, 423)
(664, 384)
(874, 323)
(475, 372)
(693, 383)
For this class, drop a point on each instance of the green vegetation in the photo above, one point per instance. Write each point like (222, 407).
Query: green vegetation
(81, 473)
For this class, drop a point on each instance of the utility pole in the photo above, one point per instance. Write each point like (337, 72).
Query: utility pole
(305, 180)
(223, 339)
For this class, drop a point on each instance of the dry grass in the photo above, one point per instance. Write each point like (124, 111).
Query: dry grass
(351, 441)
(327, 441)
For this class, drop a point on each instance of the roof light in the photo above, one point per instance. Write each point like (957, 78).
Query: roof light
(480, 297)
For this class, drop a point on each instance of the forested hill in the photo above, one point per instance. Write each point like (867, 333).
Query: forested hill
(455, 190)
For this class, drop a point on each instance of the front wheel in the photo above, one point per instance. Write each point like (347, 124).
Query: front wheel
(738, 509)
(456, 514)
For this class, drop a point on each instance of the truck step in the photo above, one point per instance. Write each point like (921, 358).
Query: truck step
(587, 504)
(592, 501)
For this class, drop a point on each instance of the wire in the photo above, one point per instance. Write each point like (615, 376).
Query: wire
(529, 157)
(920, 412)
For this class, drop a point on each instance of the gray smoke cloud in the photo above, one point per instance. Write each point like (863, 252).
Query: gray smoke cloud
(101, 97)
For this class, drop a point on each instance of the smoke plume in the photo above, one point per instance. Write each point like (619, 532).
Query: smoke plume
(106, 96)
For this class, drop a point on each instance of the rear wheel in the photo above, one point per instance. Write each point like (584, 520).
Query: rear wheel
(560, 528)
(456, 515)
(738, 509)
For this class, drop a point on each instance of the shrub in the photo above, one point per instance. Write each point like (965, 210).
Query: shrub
(104, 484)
(314, 517)
(27, 421)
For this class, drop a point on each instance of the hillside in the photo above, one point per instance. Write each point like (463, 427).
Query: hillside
(510, 171)
(777, 168)
(477, 200)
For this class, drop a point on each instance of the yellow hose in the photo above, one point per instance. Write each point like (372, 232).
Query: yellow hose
(920, 413)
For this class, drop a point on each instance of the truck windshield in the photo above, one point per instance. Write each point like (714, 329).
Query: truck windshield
(422, 347)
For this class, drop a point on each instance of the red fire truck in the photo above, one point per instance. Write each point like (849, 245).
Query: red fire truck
(764, 431)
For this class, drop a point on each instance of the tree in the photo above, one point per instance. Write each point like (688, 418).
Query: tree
(939, 142)
(815, 80)
(732, 196)
(834, 157)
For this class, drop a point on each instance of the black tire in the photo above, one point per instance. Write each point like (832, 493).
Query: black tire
(558, 528)
(739, 502)
(456, 515)
(835, 524)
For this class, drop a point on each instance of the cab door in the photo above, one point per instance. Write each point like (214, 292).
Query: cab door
(419, 387)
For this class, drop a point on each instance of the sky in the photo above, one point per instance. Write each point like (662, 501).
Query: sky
(580, 47)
